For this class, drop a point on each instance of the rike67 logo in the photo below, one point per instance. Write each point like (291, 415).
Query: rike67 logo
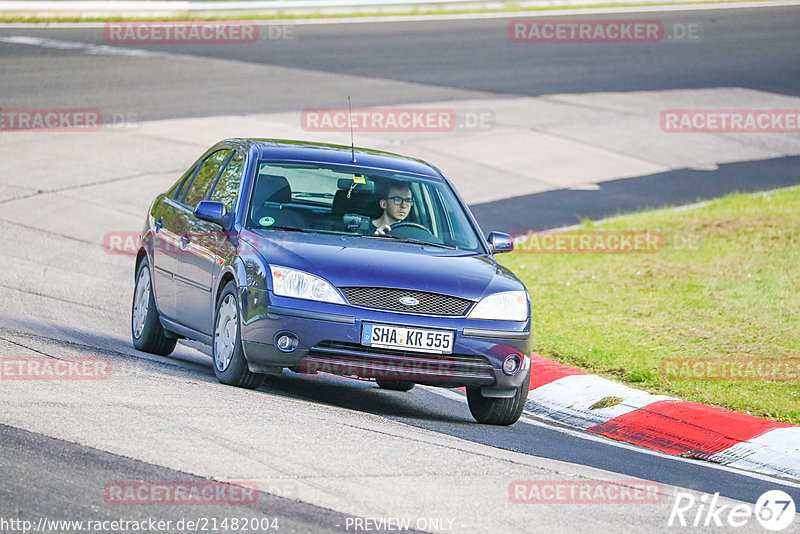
(774, 510)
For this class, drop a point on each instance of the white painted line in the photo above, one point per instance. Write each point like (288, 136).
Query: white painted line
(87, 48)
(694, 206)
(533, 420)
(623, 445)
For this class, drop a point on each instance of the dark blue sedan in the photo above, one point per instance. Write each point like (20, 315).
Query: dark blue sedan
(328, 259)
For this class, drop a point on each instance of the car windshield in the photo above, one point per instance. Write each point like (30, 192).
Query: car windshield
(351, 200)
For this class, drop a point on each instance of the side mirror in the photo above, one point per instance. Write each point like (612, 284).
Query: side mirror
(211, 211)
(500, 242)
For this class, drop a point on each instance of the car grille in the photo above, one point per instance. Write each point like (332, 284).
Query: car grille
(385, 298)
(351, 359)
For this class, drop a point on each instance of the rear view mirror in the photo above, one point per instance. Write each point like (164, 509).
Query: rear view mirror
(347, 184)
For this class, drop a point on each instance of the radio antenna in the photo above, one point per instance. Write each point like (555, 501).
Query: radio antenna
(350, 120)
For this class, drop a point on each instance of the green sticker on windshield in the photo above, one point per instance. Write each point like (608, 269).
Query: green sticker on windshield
(266, 221)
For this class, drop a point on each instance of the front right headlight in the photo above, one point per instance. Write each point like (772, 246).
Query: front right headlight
(288, 282)
(504, 306)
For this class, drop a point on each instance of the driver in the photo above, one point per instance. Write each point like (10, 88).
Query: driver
(396, 206)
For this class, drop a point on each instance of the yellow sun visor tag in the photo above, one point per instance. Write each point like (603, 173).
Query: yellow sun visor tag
(359, 179)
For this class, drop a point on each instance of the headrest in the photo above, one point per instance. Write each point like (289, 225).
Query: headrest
(272, 188)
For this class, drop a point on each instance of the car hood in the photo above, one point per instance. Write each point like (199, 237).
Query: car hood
(373, 262)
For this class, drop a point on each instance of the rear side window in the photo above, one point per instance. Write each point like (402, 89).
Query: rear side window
(228, 183)
(176, 191)
(205, 177)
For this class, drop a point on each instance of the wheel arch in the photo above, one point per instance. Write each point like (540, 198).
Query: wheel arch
(227, 277)
(140, 255)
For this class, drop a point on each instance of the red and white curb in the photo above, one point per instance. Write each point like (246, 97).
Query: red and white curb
(577, 399)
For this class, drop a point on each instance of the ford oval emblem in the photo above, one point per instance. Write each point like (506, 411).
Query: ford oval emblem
(408, 301)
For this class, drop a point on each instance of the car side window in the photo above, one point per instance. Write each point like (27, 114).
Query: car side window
(205, 176)
(455, 225)
(177, 189)
(228, 183)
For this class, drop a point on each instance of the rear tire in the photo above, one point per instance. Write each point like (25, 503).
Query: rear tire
(146, 331)
(396, 385)
(498, 411)
(230, 365)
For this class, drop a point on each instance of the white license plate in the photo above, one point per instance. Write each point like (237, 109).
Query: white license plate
(400, 337)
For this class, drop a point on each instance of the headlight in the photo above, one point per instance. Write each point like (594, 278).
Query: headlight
(505, 306)
(289, 282)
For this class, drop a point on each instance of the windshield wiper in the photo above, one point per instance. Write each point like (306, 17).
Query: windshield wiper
(304, 230)
(411, 240)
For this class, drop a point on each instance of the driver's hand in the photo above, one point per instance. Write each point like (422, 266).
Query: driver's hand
(383, 229)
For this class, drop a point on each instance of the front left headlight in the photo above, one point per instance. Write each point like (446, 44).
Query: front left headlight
(505, 306)
(288, 282)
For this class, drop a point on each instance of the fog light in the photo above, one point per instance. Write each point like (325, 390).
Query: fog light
(511, 365)
(285, 341)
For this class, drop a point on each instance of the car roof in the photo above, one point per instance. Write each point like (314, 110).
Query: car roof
(291, 150)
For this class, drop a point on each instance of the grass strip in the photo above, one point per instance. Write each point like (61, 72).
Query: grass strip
(712, 317)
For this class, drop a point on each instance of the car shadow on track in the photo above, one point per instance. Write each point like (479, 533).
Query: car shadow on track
(365, 396)
(193, 358)
(565, 207)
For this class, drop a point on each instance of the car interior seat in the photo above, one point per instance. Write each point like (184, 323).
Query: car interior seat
(359, 202)
(271, 198)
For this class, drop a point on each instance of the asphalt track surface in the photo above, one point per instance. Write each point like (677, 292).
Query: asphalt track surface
(750, 48)
(62, 470)
(424, 61)
(394, 63)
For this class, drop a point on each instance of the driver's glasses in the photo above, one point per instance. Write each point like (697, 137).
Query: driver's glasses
(400, 200)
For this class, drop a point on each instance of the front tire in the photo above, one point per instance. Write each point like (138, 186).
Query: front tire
(502, 412)
(146, 330)
(230, 365)
(396, 385)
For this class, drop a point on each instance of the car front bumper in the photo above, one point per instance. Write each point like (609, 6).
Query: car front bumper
(327, 338)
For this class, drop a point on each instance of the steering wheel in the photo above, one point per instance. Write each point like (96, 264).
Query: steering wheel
(410, 225)
(416, 231)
